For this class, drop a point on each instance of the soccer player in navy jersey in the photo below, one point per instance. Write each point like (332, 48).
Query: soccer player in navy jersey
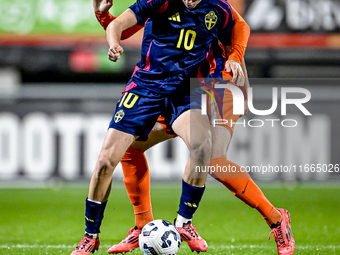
(172, 52)
(133, 155)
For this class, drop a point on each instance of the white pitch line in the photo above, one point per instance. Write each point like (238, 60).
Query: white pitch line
(35, 246)
(299, 247)
(231, 247)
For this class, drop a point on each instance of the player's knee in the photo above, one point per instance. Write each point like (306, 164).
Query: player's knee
(202, 152)
(201, 148)
(104, 167)
(218, 152)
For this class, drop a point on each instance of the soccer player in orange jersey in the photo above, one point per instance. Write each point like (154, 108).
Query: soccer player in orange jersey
(136, 172)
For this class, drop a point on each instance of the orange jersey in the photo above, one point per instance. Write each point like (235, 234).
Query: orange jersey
(239, 39)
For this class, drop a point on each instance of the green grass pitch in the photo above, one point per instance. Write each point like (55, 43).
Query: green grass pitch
(51, 220)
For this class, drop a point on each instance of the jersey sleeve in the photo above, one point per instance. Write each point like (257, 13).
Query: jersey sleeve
(227, 23)
(105, 18)
(239, 39)
(145, 9)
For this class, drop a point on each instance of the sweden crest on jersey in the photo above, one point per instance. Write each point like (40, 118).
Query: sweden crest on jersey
(210, 20)
(119, 115)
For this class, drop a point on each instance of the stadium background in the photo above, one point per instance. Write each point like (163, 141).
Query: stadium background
(58, 90)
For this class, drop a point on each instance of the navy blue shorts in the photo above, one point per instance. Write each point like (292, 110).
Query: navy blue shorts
(136, 114)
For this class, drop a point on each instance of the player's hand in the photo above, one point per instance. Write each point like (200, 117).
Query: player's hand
(102, 5)
(115, 52)
(238, 75)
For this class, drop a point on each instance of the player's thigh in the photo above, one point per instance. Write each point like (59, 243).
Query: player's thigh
(193, 128)
(115, 144)
(158, 134)
(220, 110)
(223, 122)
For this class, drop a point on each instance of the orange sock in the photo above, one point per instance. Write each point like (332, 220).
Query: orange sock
(244, 188)
(137, 183)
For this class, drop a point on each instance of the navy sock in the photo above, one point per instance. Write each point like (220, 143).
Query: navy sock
(190, 199)
(94, 214)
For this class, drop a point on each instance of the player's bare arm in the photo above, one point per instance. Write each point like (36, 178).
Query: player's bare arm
(114, 32)
(102, 5)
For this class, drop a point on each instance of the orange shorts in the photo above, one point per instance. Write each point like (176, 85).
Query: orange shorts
(161, 120)
(168, 129)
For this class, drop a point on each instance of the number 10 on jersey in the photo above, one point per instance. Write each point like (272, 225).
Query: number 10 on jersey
(189, 39)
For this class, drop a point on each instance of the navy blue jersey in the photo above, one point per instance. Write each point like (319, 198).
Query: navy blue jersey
(176, 42)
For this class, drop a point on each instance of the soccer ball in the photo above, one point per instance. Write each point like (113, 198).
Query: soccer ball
(159, 237)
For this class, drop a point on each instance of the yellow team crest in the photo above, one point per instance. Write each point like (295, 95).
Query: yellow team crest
(119, 115)
(210, 20)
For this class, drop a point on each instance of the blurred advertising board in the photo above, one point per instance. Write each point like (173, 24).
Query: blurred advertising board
(316, 16)
(274, 23)
(293, 23)
(49, 132)
(62, 16)
(52, 16)
(55, 23)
